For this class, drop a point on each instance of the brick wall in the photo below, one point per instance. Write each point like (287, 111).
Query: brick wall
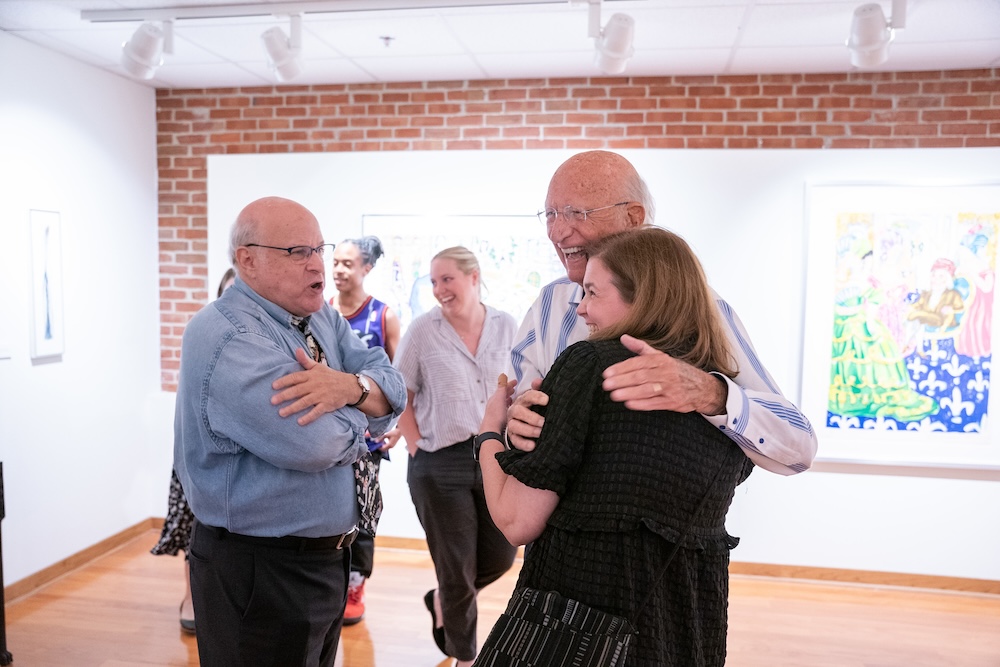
(952, 109)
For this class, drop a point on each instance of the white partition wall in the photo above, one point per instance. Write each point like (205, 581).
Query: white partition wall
(744, 212)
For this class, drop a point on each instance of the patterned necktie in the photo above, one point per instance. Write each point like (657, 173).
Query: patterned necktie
(315, 351)
(366, 485)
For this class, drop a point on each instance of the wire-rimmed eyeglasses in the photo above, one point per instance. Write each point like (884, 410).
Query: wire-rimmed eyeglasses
(573, 215)
(300, 254)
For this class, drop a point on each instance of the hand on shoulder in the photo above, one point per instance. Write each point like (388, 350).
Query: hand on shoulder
(653, 380)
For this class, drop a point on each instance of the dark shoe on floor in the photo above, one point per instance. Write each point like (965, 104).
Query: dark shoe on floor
(187, 624)
(437, 632)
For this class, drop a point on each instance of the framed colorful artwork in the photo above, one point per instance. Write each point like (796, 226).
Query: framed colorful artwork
(47, 329)
(515, 257)
(899, 323)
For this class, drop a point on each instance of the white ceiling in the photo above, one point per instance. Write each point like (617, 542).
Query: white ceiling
(673, 37)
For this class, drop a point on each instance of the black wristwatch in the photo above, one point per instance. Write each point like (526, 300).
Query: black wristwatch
(478, 441)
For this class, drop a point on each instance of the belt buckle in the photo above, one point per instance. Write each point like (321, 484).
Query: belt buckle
(347, 539)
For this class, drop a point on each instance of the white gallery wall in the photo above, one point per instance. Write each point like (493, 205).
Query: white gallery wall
(86, 441)
(74, 432)
(744, 212)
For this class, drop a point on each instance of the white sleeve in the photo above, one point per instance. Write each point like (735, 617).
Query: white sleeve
(773, 432)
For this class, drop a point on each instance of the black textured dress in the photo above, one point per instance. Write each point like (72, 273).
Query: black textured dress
(628, 483)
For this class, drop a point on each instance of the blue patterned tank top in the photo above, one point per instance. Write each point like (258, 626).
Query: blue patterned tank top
(368, 322)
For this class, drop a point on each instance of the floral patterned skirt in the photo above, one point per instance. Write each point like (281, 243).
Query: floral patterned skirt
(176, 535)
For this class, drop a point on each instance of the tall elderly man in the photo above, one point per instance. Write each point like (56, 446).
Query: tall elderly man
(594, 194)
(269, 446)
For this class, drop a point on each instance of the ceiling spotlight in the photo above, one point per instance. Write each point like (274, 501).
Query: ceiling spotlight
(871, 33)
(143, 53)
(614, 46)
(613, 42)
(283, 52)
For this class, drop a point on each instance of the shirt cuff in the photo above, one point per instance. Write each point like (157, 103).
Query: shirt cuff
(735, 400)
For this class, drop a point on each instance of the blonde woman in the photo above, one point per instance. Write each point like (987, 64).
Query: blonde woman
(450, 358)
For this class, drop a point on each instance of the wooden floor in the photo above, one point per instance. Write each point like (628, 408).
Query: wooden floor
(121, 610)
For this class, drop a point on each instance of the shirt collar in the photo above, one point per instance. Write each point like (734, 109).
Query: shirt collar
(274, 310)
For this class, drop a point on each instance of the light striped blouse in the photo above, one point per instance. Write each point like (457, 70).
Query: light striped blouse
(450, 385)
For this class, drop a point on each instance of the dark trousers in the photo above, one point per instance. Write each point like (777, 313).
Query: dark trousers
(363, 554)
(260, 605)
(468, 550)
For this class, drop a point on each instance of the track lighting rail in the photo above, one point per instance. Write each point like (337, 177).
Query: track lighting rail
(284, 9)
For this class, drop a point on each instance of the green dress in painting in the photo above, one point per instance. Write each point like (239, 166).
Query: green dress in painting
(868, 376)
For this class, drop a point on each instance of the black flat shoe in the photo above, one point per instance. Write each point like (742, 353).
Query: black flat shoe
(437, 632)
(187, 624)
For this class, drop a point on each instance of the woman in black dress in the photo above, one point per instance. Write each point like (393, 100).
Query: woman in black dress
(608, 491)
(176, 533)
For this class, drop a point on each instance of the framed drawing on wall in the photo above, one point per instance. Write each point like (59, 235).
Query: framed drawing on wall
(515, 257)
(47, 328)
(900, 326)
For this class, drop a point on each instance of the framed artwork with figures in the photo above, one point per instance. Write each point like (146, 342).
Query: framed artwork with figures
(900, 325)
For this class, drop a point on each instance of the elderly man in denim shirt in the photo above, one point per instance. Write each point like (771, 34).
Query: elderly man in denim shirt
(265, 441)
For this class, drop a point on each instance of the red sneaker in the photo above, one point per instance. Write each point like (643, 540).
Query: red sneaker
(355, 609)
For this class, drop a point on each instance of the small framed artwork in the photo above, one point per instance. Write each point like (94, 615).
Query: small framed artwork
(899, 323)
(47, 326)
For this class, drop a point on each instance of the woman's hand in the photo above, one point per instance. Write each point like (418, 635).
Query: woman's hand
(496, 408)
(390, 439)
(524, 425)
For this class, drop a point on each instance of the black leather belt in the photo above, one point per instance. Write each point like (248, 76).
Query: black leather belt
(291, 541)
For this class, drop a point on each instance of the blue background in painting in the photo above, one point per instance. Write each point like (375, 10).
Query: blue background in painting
(959, 384)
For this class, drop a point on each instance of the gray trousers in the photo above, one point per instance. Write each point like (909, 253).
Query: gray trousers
(468, 550)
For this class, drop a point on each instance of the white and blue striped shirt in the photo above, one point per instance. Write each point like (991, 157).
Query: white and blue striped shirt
(773, 432)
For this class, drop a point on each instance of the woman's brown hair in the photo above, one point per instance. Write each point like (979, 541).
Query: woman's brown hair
(657, 273)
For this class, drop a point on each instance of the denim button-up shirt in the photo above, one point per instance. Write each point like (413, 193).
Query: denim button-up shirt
(245, 468)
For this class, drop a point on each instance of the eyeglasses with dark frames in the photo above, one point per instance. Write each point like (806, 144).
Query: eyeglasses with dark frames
(300, 254)
(573, 215)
